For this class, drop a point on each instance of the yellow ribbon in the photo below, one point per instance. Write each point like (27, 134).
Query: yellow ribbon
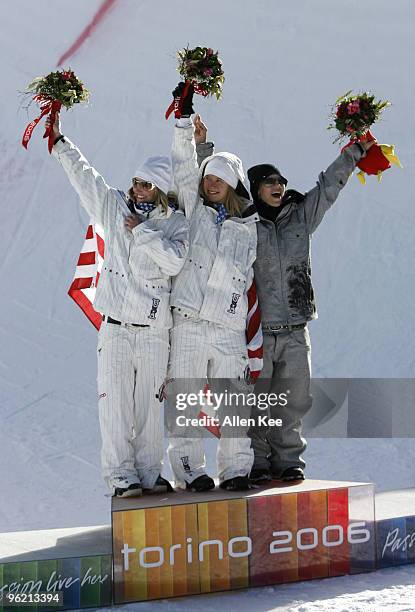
(389, 152)
(362, 177)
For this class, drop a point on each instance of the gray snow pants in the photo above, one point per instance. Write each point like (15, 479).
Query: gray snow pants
(287, 367)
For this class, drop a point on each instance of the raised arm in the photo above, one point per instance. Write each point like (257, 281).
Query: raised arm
(185, 167)
(95, 195)
(204, 149)
(318, 201)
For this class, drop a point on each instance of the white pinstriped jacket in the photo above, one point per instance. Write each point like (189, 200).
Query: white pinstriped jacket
(217, 273)
(135, 282)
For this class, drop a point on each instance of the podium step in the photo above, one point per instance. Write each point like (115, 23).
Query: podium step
(395, 527)
(76, 561)
(185, 543)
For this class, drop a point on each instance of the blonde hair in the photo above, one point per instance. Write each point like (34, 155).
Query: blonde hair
(233, 203)
(162, 200)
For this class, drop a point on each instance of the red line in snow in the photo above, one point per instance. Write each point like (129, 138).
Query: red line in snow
(97, 18)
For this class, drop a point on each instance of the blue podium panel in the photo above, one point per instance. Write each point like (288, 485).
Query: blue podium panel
(395, 528)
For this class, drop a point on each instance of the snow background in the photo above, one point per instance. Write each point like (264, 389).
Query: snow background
(285, 63)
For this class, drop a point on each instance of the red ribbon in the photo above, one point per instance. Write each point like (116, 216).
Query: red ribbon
(48, 107)
(374, 161)
(177, 103)
(199, 90)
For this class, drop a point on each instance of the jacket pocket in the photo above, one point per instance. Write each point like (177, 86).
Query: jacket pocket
(241, 257)
(296, 242)
(200, 258)
(234, 245)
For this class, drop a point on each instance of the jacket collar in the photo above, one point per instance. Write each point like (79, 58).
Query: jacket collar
(160, 213)
(157, 213)
(291, 199)
(249, 214)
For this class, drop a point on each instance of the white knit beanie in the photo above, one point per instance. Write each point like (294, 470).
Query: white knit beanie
(157, 170)
(222, 168)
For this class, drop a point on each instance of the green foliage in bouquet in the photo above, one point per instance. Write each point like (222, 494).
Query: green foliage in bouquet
(353, 115)
(61, 85)
(202, 67)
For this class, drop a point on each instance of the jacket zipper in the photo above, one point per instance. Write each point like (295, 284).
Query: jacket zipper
(279, 259)
(281, 275)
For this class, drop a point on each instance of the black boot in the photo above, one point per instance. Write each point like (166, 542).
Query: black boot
(239, 483)
(291, 474)
(161, 485)
(202, 483)
(260, 475)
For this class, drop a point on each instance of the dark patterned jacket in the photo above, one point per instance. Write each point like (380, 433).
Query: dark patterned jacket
(283, 264)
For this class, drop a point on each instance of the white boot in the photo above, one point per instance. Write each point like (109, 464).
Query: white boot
(125, 486)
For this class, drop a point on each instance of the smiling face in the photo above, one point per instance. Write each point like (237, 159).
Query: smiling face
(215, 189)
(271, 190)
(143, 190)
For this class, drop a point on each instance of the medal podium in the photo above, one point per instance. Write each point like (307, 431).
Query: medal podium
(181, 543)
(185, 543)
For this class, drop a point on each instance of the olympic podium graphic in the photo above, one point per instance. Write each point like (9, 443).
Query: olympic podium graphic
(36, 565)
(182, 544)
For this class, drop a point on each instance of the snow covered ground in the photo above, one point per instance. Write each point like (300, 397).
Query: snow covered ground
(391, 588)
(285, 63)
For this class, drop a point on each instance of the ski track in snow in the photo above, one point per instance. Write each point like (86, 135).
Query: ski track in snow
(27, 406)
(280, 81)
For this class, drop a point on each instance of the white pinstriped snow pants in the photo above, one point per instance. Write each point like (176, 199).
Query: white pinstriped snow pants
(132, 364)
(200, 350)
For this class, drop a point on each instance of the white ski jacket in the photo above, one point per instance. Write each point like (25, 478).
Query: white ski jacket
(217, 273)
(135, 282)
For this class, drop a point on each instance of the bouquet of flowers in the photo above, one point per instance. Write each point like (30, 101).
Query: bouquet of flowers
(353, 116)
(51, 92)
(200, 68)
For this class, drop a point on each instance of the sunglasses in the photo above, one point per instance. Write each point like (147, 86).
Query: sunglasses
(143, 184)
(270, 181)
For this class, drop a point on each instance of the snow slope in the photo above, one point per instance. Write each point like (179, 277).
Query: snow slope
(285, 63)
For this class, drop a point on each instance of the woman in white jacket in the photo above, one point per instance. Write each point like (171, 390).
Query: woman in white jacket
(146, 242)
(209, 300)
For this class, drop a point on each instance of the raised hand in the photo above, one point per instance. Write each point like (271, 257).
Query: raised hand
(366, 144)
(183, 97)
(200, 130)
(56, 128)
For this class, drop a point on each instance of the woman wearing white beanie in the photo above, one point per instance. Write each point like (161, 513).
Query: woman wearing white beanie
(209, 300)
(146, 242)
